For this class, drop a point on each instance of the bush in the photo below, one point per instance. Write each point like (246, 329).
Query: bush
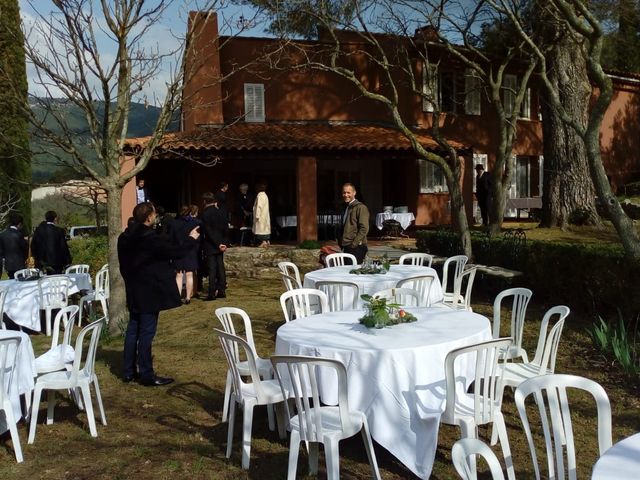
(632, 189)
(309, 245)
(93, 251)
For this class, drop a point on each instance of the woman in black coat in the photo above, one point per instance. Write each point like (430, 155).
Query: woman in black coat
(186, 265)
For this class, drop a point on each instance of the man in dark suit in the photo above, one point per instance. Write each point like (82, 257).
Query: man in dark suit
(13, 246)
(355, 224)
(49, 245)
(483, 192)
(142, 194)
(215, 226)
(150, 283)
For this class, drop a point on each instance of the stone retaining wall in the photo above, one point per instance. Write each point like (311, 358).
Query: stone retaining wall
(252, 262)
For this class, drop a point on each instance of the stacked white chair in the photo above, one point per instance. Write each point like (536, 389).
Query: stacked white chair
(53, 293)
(226, 315)
(82, 375)
(100, 293)
(550, 395)
(314, 423)
(340, 295)
(466, 448)
(26, 273)
(8, 354)
(421, 284)
(291, 269)
(421, 259)
(451, 271)
(470, 410)
(290, 282)
(304, 303)
(79, 268)
(520, 300)
(340, 259)
(248, 395)
(406, 297)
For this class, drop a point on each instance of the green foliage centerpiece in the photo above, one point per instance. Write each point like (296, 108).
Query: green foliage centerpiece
(373, 266)
(381, 314)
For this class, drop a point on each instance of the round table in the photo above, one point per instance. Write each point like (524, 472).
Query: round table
(620, 462)
(395, 374)
(371, 284)
(23, 377)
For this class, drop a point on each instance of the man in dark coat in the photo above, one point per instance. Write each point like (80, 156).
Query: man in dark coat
(13, 246)
(483, 192)
(352, 237)
(215, 226)
(49, 245)
(150, 284)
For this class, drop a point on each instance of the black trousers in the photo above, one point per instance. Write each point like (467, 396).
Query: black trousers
(360, 252)
(483, 203)
(217, 274)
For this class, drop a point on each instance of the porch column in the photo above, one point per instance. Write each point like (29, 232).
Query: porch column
(307, 198)
(128, 201)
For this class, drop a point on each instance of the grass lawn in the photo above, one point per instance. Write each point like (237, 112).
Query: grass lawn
(175, 432)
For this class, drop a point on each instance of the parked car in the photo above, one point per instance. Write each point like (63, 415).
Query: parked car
(83, 231)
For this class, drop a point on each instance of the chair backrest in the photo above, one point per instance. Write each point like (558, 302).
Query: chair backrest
(547, 348)
(3, 296)
(54, 291)
(421, 284)
(422, 259)
(340, 295)
(235, 349)
(301, 380)
(305, 302)
(487, 377)
(227, 316)
(340, 259)
(463, 288)
(8, 354)
(291, 269)
(290, 282)
(520, 301)
(465, 448)
(79, 268)
(86, 363)
(550, 392)
(406, 297)
(65, 316)
(26, 273)
(102, 283)
(452, 269)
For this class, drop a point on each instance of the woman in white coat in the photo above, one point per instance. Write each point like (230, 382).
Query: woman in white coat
(261, 217)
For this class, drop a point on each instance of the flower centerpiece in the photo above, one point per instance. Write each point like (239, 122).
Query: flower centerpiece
(373, 266)
(381, 314)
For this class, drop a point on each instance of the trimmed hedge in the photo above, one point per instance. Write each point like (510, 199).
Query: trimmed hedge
(92, 251)
(585, 277)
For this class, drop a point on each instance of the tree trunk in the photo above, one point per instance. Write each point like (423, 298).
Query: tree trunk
(567, 185)
(498, 199)
(118, 316)
(459, 216)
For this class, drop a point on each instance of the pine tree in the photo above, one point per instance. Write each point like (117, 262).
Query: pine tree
(15, 155)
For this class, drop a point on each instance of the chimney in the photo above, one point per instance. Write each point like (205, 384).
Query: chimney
(427, 33)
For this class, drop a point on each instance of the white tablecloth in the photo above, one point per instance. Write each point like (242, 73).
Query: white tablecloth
(404, 219)
(395, 374)
(371, 284)
(23, 377)
(22, 303)
(323, 219)
(620, 462)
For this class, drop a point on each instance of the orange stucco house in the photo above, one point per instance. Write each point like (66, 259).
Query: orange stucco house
(305, 132)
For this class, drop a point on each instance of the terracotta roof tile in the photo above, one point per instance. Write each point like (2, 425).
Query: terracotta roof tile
(290, 136)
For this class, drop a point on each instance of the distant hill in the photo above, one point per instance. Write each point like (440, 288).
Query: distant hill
(142, 120)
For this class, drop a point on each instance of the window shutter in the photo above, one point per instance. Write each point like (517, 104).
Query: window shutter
(429, 86)
(254, 102)
(509, 84)
(525, 111)
(472, 91)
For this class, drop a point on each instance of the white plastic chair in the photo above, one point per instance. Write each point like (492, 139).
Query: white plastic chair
(469, 410)
(550, 392)
(402, 296)
(340, 259)
(99, 294)
(26, 273)
(464, 448)
(226, 316)
(291, 269)
(53, 294)
(520, 301)
(8, 354)
(81, 375)
(339, 293)
(61, 355)
(451, 270)
(462, 301)
(290, 282)
(248, 395)
(315, 423)
(3, 296)
(305, 302)
(421, 259)
(421, 284)
(79, 268)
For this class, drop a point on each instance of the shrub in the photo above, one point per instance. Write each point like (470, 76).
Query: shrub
(632, 189)
(93, 251)
(309, 245)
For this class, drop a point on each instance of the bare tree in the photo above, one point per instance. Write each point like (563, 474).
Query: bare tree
(87, 195)
(8, 203)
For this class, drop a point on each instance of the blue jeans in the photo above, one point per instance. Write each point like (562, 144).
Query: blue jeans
(137, 343)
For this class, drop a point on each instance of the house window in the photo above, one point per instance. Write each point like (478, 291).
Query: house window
(450, 90)
(510, 87)
(430, 87)
(253, 102)
(432, 178)
(472, 90)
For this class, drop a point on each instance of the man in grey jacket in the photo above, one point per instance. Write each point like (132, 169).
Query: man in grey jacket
(355, 224)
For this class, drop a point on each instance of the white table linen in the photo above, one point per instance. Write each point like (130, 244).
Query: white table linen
(370, 284)
(404, 219)
(620, 462)
(395, 375)
(23, 377)
(22, 303)
(285, 221)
